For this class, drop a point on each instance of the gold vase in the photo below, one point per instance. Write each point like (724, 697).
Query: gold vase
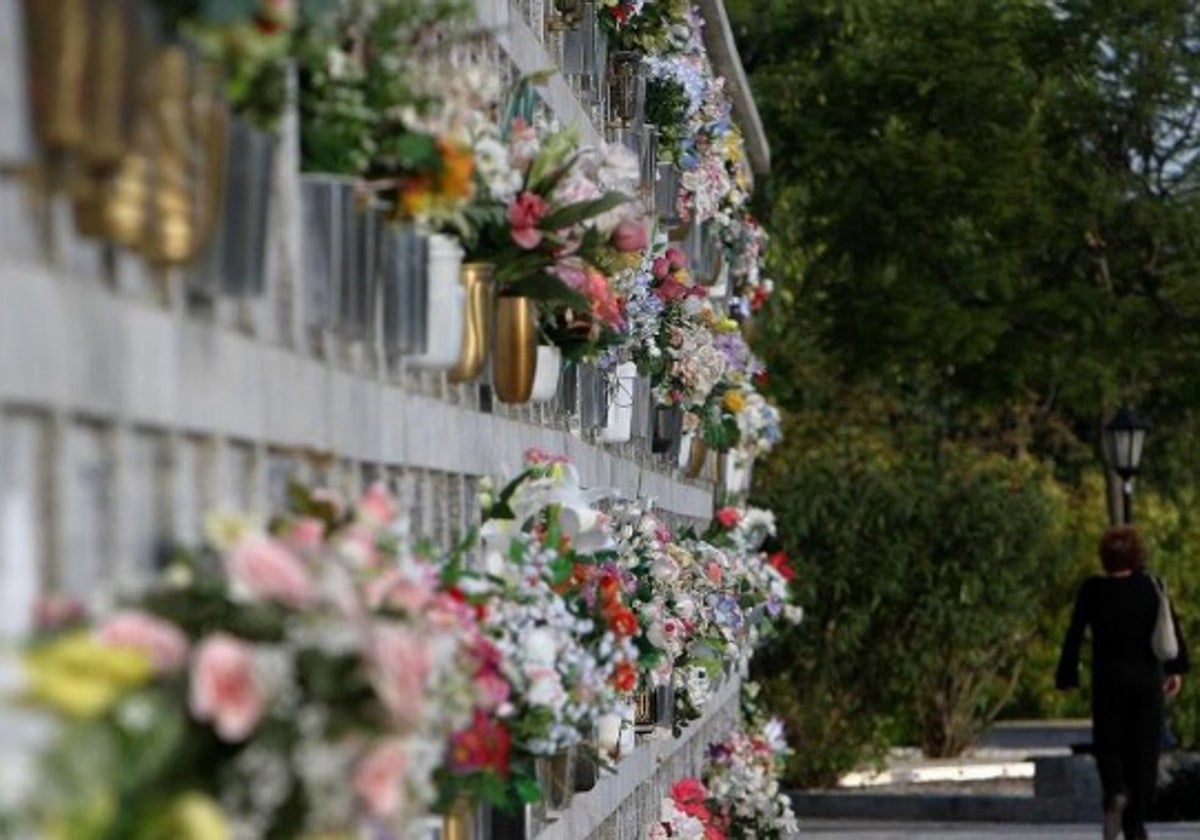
(696, 461)
(476, 280)
(459, 822)
(514, 361)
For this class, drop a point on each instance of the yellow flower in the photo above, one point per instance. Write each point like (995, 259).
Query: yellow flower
(195, 816)
(79, 676)
(727, 325)
(734, 400)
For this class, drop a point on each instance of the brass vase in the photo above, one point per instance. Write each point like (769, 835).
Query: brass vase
(476, 279)
(461, 821)
(56, 47)
(514, 360)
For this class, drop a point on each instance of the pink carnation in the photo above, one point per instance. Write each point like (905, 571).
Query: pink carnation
(524, 214)
(224, 689)
(394, 590)
(379, 779)
(630, 236)
(162, 642)
(304, 533)
(377, 507)
(402, 664)
(267, 570)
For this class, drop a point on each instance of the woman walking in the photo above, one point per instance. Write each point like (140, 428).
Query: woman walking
(1129, 683)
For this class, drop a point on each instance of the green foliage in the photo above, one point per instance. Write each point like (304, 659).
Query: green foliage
(992, 203)
(920, 572)
(666, 108)
(356, 80)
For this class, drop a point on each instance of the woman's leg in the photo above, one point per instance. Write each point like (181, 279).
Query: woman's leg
(1106, 739)
(1139, 755)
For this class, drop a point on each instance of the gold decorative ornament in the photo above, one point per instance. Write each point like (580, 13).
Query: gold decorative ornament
(186, 116)
(476, 279)
(514, 357)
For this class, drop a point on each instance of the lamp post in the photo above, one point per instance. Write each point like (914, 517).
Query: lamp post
(1124, 436)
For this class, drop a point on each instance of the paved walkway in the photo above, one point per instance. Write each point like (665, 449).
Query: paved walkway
(855, 830)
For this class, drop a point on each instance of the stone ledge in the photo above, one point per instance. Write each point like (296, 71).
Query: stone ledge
(72, 346)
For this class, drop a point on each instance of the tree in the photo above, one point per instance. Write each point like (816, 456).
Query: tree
(920, 574)
(989, 209)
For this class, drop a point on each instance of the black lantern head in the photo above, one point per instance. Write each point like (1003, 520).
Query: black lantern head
(1124, 436)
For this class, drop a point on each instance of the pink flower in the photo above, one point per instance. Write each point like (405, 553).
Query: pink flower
(402, 664)
(162, 642)
(606, 305)
(493, 690)
(399, 592)
(267, 570)
(304, 533)
(630, 236)
(728, 517)
(715, 574)
(523, 217)
(379, 779)
(376, 507)
(223, 687)
(54, 612)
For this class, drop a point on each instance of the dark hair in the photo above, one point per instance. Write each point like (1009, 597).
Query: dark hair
(1121, 549)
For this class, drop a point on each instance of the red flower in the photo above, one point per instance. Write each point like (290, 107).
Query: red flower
(779, 562)
(484, 746)
(729, 517)
(609, 588)
(624, 678)
(689, 791)
(621, 620)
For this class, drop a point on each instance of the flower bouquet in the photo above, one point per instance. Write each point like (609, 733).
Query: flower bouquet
(743, 775)
(689, 813)
(299, 680)
(652, 27)
(558, 223)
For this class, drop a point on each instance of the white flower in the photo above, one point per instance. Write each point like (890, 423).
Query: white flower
(545, 688)
(541, 647)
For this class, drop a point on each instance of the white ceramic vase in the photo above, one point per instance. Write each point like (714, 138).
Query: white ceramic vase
(447, 307)
(619, 426)
(545, 380)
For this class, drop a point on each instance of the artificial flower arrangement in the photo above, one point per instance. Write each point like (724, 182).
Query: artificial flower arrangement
(649, 558)
(737, 797)
(740, 591)
(685, 364)
(744, 242)
(688, 813)
(296, 680)
(249, 40)
(541, 535)
(652, 27)
(743, 776)
(558, 222)
(357, 87)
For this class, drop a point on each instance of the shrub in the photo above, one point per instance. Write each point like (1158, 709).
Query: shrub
(921, 578)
